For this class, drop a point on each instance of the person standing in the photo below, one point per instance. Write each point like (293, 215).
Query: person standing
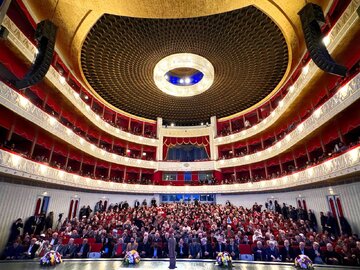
(171, 249)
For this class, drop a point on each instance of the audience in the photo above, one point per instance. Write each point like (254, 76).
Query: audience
(201, 231)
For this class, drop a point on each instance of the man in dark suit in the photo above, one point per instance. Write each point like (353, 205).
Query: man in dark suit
(272, 253)
(206, 249)
(83, 249)
(287, 253)
(330, 256)
(182, 249)
(219, 246)
(15, 230)
(30, 225)
(233, 249)
(69, 249)
(14, 251)
(315, 254)
(145, 247)
(301, 250)
(194, 249)
(54, 239)
(171, 249)
(30, 251)
(259, 252)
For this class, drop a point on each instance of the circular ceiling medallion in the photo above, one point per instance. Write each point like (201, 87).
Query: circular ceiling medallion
(169, 75)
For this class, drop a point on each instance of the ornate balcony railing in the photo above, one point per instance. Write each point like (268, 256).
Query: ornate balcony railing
(17, 38)
(23, 107)
(346, 96)
(15, 165)
(342, 28)
(341, 100)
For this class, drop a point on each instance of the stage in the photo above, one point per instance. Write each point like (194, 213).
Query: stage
(146, 264)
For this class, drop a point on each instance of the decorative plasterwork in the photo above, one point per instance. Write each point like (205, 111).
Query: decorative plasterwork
(343, 165)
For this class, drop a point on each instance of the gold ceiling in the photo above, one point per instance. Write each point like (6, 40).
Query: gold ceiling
(76, 18)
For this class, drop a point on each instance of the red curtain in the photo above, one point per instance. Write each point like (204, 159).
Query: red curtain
(199, 141)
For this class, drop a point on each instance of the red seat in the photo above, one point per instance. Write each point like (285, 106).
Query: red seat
(78, 241)
(118, 251)
(91, 240)
(65, 240)
(96, 247)
(245, 249)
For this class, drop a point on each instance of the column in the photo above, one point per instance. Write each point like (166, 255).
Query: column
(214, 151)
(33, 145)
(159, 132)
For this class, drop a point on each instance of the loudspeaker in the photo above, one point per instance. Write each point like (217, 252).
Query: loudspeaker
(45, 36)
(312, 18)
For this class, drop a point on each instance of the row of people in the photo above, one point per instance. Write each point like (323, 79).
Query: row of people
(201, 231)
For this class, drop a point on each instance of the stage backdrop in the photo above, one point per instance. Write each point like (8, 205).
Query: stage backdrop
(198, 143)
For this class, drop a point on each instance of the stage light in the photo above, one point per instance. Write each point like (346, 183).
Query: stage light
(23, 101)
(317, 113)
(326, 40)
(172, 124)
(52, 120)
(344, 91)
(305, 69)
(181, 81)
(187, 80)
(144, 154)
(62, 80)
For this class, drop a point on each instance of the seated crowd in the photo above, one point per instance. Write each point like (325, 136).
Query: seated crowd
(201, 230)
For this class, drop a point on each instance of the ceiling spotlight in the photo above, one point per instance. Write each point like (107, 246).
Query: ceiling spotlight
(166, 77)
(172, 124)
(144, 154)
(86, 97)
(181, 81)
(187, 80)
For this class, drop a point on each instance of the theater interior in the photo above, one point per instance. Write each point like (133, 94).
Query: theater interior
(232, 127)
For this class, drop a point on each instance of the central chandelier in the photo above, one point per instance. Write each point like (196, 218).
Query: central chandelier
(184, 74)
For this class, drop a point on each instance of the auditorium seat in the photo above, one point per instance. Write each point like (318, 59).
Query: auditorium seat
(78, 241)
(95, 247)
(91, 240)
(245, 249)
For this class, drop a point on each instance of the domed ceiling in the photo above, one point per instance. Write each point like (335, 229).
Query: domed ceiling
(246, 48)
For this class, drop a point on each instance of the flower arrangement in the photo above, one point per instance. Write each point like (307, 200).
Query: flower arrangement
(303, 262)
(132, 257)
(223, 259)
(51, 258)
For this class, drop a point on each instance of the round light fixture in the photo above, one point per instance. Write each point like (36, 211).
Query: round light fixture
(188, 85)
